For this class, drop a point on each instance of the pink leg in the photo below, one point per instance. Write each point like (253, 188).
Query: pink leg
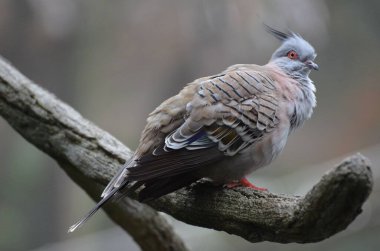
(245, 183)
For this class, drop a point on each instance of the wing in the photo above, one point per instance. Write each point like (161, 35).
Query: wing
(227, 114)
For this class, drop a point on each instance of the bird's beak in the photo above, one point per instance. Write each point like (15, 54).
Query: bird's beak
(311, 65)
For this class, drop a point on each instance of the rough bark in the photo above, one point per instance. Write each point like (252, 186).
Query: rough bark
(86, 153)
(90, 156)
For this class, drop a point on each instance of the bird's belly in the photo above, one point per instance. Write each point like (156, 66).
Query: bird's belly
(258, 155)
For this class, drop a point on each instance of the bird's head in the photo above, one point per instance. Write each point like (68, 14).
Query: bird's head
(295, 55)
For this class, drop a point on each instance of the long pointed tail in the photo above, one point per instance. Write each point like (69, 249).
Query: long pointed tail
(118, 178)
(95, 209)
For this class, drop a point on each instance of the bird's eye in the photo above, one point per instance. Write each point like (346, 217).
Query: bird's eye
(292, 55)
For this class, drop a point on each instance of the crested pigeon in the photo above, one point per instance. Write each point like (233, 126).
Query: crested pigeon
(221, 127)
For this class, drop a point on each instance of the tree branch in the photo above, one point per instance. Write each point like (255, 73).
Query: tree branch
(90, 156)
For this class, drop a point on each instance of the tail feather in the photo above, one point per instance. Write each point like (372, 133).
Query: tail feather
(158, 187)
(118, 178)
(106, 198)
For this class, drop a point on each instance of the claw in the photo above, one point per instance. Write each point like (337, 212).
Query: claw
(245, 183)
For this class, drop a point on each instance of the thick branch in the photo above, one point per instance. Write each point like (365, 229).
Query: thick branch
(328, 208)
(90, 156)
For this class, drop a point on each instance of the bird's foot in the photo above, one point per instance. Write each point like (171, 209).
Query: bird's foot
(245, 183)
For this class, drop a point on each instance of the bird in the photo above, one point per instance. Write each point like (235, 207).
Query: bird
(221, 127)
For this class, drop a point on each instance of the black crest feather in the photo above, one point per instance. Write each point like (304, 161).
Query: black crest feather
(278, 34)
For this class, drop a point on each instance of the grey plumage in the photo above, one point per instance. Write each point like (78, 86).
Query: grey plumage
(222, 127)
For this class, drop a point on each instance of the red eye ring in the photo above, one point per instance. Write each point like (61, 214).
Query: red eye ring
(292, 54)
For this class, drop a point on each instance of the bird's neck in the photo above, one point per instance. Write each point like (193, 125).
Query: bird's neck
(300, 90)
(302, 94)
(304, 101)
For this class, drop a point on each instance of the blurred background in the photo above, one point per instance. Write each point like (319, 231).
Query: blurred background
(115, 61)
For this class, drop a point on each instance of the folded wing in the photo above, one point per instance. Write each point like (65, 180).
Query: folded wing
(227, 114)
